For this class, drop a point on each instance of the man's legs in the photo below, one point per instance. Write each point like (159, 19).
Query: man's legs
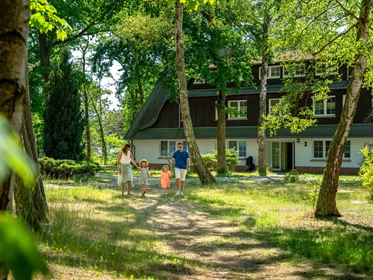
(182, 180)
(182, 183)
(178, 185)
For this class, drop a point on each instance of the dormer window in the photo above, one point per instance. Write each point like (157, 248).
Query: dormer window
(324, 68)
(274, 72)
(240, 106)
(323, 108)
(295, 71)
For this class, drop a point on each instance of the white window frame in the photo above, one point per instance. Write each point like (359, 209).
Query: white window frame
(325, 151)
(270, 105)
(325, 107)
(168, 147)
(318, 73)
(237, 147)
(238, 108)
(296, 67)
(269, 74)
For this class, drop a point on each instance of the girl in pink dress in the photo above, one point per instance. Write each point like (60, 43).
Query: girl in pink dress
(164, 180)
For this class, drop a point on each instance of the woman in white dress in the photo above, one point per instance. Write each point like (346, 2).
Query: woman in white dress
(124, 168)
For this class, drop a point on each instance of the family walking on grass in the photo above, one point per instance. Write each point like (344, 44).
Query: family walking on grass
(180, 163)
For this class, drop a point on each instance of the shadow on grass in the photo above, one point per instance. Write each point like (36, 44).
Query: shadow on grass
(196, 240)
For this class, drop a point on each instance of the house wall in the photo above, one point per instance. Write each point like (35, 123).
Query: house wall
(303, 155)
(150, 150)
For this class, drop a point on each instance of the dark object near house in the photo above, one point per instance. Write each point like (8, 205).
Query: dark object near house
(250, 164)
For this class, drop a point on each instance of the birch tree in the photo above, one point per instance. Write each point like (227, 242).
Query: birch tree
(203, 173)
(335, 33)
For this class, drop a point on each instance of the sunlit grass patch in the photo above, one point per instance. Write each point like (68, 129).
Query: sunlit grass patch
(230, 226)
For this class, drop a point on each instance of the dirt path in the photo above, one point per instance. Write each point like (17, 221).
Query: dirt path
(212, 248)
(224, 250)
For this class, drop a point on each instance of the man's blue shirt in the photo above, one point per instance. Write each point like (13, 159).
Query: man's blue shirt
(180, 159)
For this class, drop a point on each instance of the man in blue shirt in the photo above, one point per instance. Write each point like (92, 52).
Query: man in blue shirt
(181, 159)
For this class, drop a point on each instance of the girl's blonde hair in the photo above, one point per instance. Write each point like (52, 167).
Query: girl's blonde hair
(165, 166)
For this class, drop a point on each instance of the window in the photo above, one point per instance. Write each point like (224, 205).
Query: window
(324, 108)
(318, 149)
(240, 146)
(274, 72)
(168, 148)
(185, 145)
(321, 149)
(241, 107)
(272, 102)
(322, 68)
(296, 71)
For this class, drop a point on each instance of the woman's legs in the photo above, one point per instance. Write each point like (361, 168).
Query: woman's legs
(128, 187)
(122, 186)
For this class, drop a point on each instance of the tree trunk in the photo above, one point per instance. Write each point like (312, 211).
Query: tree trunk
(204, 175)
(14, 26)
(222, 156)
(262, 166)
(102, 133)
(45, 53)
(326, 202)
(98, 112)
(86, 110)
(31, 203)
(140, 91)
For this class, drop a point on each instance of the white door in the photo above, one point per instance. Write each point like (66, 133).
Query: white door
(276, 156)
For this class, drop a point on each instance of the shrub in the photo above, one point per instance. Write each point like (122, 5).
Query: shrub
(366, 170)
(311, 198)
(211, 160)
(291, 176)
(65, 168)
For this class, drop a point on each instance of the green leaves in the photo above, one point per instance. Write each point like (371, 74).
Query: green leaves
(193, 4)
(12, 155)
(17, 249)
(44, 18)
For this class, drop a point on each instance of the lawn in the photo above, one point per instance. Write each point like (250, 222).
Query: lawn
(241, 230)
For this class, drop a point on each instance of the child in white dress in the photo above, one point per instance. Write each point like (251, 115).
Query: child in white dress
(144, 173)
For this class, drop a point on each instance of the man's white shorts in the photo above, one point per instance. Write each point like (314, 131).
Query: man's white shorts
(180, 173)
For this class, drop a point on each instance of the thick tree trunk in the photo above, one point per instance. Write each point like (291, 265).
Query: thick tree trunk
(31, 203)
(262, 166)
(14, 19)
(204, 175)
(326, 202)
(222, 156)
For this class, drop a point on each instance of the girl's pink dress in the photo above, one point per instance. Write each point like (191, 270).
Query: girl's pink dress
(165, 179)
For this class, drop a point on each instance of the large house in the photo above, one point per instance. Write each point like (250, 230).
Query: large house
(158, 127)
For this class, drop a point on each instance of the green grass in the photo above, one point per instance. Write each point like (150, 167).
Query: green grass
(166, 237)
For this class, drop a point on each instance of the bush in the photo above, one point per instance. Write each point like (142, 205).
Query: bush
(211, 160)
(66, 168)
(312, 197)
(366, 170)
(291, 176)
